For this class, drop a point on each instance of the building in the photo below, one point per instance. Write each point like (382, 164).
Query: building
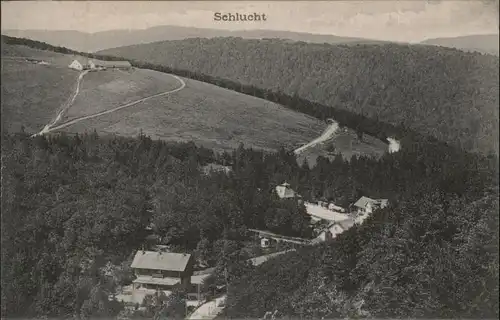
(321, 212)
(112, 64)
(333, 230)
(285, 192)
(265, 242)
(162, 270)
(91, 65)
(366, 205)
(76, 65)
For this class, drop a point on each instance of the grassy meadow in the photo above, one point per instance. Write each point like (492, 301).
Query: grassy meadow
(212, 116)
(104, 90)
(33, 94)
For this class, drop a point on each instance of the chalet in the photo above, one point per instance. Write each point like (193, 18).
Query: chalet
(76, 65)
(366, 205)
(162, 270)
(285, 192)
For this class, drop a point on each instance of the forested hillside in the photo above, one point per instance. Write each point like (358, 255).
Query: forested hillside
(442, 92)
(71, 205)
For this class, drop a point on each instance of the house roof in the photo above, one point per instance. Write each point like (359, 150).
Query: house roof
(363, 201)
(160, 260)
(323, 213)
(284, 191)
(112, 63)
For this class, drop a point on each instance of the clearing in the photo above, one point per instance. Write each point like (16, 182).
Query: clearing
(346, 142)
(104, 90)
(212, 116)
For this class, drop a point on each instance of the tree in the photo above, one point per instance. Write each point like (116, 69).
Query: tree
(174, 306)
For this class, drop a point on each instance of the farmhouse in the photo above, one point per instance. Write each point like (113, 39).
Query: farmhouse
(76, 65)
(285, 192)
(112, 64)
(367, 205)
(162, 270)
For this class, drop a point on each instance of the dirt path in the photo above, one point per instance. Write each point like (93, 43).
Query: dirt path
(95, 115)
(327, 134)
(65, 108)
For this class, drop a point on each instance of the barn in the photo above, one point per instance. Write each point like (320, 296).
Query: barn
(113, 64)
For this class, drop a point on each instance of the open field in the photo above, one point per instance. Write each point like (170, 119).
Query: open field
(104, 90)
(346, 143)
(55, 59)
(32, 94)
(212, 116)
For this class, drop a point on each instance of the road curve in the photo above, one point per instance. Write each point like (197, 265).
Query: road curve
(95, 115)
(327, 134)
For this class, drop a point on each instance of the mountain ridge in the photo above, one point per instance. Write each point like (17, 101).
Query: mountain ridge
(92, 42)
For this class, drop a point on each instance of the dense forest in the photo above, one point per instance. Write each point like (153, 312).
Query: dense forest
(74, 205)
(441, 92)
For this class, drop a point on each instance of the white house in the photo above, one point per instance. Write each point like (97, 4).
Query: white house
(367, 205)
(76, 65)
(265, 242)
(285, 192)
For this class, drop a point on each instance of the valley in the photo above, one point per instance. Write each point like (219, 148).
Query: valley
(237, 179)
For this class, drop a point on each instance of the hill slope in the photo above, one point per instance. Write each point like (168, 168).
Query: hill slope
(90, 42)
(487, 43)
(34, 94)
(441, 92)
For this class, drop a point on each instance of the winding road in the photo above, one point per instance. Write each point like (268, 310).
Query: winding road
(327, 134)
(51, 127)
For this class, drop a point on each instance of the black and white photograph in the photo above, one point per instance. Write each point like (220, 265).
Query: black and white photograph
(271, 160)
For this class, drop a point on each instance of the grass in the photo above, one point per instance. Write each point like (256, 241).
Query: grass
(105, 90)
(347, 144)
(212, 116)
(32, 94)
(54, 58)
(206, 114)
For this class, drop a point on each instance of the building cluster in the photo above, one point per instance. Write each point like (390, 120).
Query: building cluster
(160, 270)
(81, 64)
(328, 218)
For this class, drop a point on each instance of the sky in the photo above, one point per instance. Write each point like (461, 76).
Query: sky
(409, 21)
